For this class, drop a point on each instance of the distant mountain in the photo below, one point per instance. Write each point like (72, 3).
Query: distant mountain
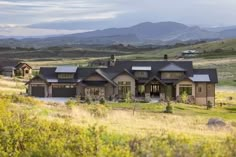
(231, 33)
(164, 31)
(144, 33)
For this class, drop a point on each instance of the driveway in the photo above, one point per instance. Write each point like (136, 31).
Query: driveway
(57, 100)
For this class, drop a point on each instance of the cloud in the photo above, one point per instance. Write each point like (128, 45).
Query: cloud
(28, 12)
(119, 12)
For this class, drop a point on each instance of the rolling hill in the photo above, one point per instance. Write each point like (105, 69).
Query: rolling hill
(162, 33)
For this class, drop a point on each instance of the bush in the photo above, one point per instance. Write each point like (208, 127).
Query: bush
(99, 111)
(88, 100)
(209, 105)
(71, 103)
(20, 99)
(169, 108)
(102, 101)
(184, 97)
(128, 97)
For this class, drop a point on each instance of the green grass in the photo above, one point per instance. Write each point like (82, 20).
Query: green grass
(226, 112)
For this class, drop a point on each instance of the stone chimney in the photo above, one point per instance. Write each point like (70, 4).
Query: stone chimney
(165, 57)
(112, 61)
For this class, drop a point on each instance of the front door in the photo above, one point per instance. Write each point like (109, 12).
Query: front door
(155, 90)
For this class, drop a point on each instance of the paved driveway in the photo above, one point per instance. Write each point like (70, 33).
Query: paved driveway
(57, 100)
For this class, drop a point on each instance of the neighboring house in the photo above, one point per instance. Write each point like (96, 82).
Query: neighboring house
(8, 71)
(13, 68)
(143, 79)
(190, 53)
(7, 67)
(23, 70)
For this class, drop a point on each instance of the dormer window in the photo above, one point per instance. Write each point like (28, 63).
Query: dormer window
(141, 71)
(66, 72)
(65, 76)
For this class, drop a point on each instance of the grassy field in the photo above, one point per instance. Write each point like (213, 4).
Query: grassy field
(147, 118)
(113, 129)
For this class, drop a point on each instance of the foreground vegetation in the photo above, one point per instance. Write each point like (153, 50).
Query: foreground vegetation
(27, 133)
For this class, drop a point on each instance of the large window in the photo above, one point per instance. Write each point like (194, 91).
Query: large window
(172, 75)
(123, 88)
(95, 92)
(185, 88)
(65, 76)
(141, 74)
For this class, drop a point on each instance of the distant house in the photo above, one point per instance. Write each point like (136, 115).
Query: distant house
(13, 68)
(23, 70)
(190, 53)
(142, 79)
(8, 71)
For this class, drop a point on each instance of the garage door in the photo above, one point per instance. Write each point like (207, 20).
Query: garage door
(64, 91)
(38, 91)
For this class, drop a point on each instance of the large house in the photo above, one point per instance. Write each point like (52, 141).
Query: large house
(142, 79)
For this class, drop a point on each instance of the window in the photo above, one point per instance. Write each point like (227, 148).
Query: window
(185, 88)
(199, 89)
(124, 88)
(141, 74)
(63, 86)
(26, 71)
(171, 75)
(95, 92)
(65, 76)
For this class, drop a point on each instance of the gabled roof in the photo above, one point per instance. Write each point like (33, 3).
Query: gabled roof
(19, 65)
(172, 67)
(182, 79)
(155, 78)
(66, 69)
(103, 75)
(35, 77)
(127, 72)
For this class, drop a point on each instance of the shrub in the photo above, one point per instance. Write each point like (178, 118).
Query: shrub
(209, 105)
(88, 100)
(128, 97)
(102, 101)
(98, 110)
(24, 100)
(184, 97)
(71, 103)
(169, 108)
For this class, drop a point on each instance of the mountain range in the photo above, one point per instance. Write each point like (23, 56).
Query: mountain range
(152, 33)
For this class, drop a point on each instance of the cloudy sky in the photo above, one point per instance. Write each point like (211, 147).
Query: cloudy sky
(98, 14)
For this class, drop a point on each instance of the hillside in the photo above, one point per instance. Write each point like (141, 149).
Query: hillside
(156, 33)
(33, 127)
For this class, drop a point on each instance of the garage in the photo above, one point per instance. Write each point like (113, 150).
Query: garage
(38, 91)
(63, 91)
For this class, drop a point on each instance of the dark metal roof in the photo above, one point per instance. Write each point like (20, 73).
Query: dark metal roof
(111, 72)
(155, 65)
(66, 69)
(211, 72)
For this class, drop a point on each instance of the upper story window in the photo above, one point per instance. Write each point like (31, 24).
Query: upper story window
(65, 76)
(141, 74)
(172, 75)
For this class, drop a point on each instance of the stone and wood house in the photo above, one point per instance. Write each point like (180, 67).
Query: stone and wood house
(142, 79)
(14, 68)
